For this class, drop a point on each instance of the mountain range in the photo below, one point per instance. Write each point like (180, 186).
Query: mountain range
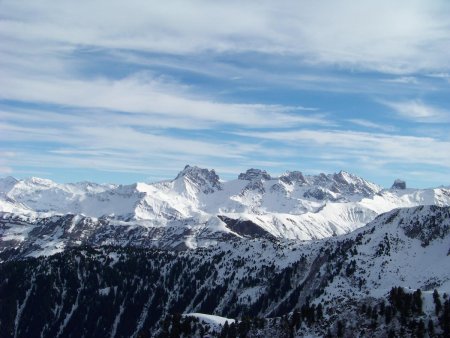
(328, 255)
(195, 209)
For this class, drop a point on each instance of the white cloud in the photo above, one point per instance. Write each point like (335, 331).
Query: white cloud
(167, 104)
(361, 147)
(127, 122)
(403, 79)
(371, 124)
(400, 36)
(102, 140)
(5, 170)
(419, 111)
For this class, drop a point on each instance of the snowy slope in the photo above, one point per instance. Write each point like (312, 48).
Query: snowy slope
(259, 277)
(406, 247)
(189, 210)
(213, 321)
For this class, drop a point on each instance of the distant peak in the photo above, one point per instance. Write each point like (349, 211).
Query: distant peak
(344, 177)
(290, 177)
(206, 180)
(40, 181)
(7, 183)
(344, 173)
(343, 183)
(9, 179)
(188, 170)
(254, 174)
(399, 184)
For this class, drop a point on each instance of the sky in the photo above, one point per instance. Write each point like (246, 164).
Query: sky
(114, 91)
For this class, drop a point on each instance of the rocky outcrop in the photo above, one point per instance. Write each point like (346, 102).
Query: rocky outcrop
(205, 180)
(399, 184)
(254, 174)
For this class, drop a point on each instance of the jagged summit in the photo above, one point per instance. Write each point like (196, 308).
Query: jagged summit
(354, 184)
(204, 180)
(40, 181)
(254, 174)
(399, 184)
(9, 179)
(332, 186)
(7, 183)
(291, 177)
(187, 209)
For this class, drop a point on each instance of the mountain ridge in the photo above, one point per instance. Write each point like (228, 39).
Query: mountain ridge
(256, 277)
(195, 209)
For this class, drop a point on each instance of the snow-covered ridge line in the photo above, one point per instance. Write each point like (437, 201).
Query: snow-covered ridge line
(196, 208)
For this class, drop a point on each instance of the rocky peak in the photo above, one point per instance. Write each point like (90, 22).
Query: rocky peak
(349, 183)
(204, 179)
(7, 183)
(319, 193)
(399, 184)
(255, 186)
(291, 177)
(43, 182)
(254, 174)
(343, 183)
(344, 177)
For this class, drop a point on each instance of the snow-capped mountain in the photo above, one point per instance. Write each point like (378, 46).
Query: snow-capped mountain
(195, 209)
(128, 292)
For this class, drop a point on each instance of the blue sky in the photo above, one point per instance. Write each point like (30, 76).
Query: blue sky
(115, 92)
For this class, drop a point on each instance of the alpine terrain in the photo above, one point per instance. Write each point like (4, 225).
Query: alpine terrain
(259, 256)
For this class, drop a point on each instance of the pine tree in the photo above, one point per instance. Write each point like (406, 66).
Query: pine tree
(445, 319)
(430, 328)
(363, 308)
(420, 332)
(388, 314)
(437, 302)
(296, 319)
(340, 329)
(368, 311)
(382, 308)
(418, 301)
(232, 332)
(224, 332)
(319, 311)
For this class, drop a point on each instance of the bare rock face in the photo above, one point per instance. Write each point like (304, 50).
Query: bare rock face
(205, 180)
(399, 184)
(254, 174)
(292, 177)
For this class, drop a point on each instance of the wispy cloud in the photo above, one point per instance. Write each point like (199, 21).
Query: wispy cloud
(104, 141)
(419, 111)
(382, 35)
(371, 124)
(143, 94)
(403, 79)
(363, 147)
(152, 85)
